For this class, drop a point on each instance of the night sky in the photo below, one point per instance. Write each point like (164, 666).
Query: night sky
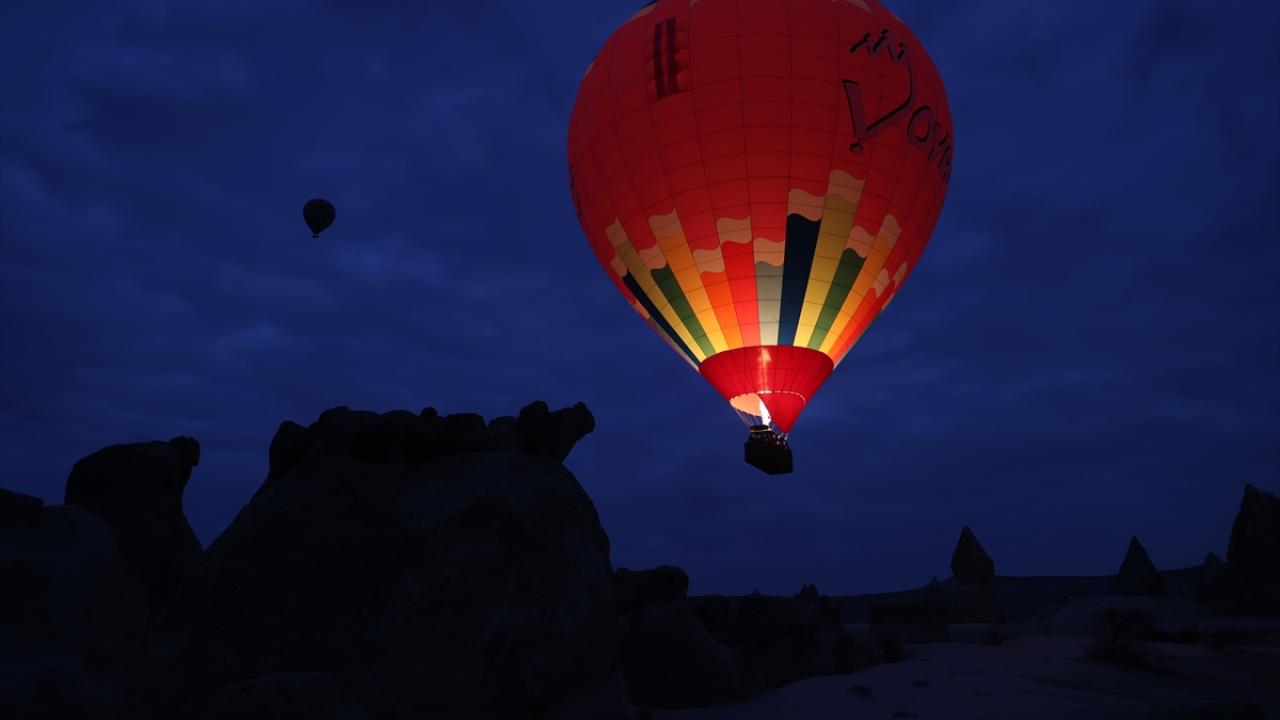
(1089, 348)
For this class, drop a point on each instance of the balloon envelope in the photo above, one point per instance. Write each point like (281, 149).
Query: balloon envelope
(319, 214)
(758, 179)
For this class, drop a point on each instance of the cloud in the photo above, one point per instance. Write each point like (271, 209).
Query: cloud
(1086, 350)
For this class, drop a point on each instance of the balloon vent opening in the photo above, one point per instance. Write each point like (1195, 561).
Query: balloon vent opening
(768, 451)
(769, 384)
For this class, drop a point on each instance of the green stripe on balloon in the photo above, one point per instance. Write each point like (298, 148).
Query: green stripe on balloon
(670, 287)
(656, 317)
(841, 285)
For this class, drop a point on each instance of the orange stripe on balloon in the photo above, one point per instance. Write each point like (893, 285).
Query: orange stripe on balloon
(721, 296)
(740, 271)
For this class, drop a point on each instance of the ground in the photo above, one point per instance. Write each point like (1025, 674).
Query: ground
(1045, 677)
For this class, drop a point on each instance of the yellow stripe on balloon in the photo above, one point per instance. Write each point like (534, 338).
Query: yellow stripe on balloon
(631, 259)
(876, 254)
(670, 235)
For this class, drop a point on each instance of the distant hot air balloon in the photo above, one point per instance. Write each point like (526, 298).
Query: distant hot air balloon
(319, 214)
(759, 178)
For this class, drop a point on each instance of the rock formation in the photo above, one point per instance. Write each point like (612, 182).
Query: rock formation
(808, 593)
(72, 618)
(412, 565)
(777, 640)
(137, 489)
(401, 436)
(1215, 583)
(973, 601)
(636, 588)
(668, 658)
(16, 506)
(1253, 554)
(970, 563)
(419, 563)
(1137, 575)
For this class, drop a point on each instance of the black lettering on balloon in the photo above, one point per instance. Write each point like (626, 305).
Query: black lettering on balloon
(665, 68)
(862, 130)
(925, 113)
(943, 139)
(923, 130)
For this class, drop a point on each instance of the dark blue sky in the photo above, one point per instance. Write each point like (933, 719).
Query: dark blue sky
(1089, 349)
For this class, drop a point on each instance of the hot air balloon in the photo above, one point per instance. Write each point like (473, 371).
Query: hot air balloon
(758, 178)
(319, 214)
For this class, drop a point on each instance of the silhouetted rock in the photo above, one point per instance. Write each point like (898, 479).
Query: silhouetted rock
(668, 658)
(670, 661)
(554, 433)
(1215, 583)
(400, 436)
(137, 489)
(1138, 576)
(471, 584)
(808, 593)
(908, 621)
(778, 640)
(14, 506)
(969, 562)
(636, 588)
(936, 591)
(1253, 553)
(72, 618)
(288, 448)
(465, 432)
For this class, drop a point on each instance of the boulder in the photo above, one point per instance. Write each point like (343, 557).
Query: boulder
(779, 640)
(471, 584)
(72, 618)
(970, 563)
(137, 489)
(1253, 553)
(1137, 575)
(670, 661)
(637, 588)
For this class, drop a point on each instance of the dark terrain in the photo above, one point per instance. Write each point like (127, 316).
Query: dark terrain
(404, 565)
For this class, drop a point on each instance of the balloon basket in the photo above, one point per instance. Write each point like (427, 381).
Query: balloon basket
(768, 451)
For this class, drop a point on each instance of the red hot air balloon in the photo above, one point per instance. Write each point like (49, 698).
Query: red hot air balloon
(759, 178)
